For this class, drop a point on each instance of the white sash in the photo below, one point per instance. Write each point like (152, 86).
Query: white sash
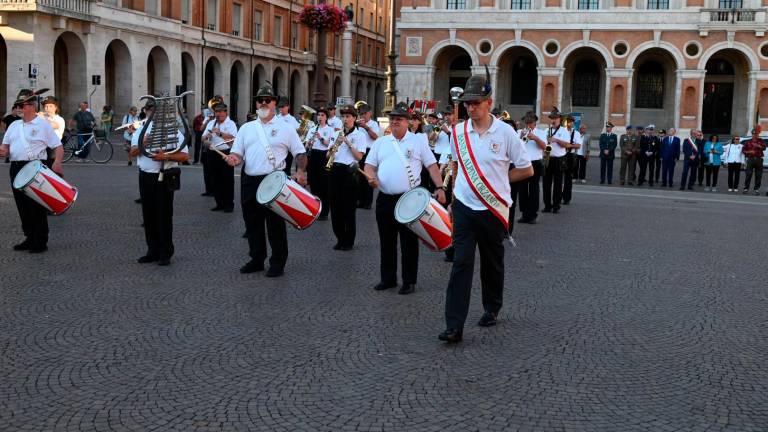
(23, 139)
(412, 182)
(476, 179)
(261, 135)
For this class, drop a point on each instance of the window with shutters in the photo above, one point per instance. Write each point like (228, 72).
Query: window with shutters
(650, 86)
(237, 19)
(521, 4)
(212, 13)
(294, 35)
(257, 25)
(589, 4)
(658, 4)
(278, 36)
(731, 4)
(457, 4)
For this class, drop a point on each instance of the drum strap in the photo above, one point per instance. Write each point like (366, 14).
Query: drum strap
(412, 182)
(23, 139)
(261, 135)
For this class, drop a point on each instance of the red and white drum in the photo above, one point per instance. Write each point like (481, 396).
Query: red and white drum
(44, 186)
(423, 215)
(289, 200)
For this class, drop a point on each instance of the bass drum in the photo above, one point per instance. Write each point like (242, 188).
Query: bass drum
(423, 215)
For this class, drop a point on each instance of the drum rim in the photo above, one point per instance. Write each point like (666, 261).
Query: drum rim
(282, 176)
(36, 162)
(420, 213)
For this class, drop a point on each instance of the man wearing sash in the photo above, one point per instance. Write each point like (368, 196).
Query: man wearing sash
(484, 148)
(263, 145)
(560, 141)
(24, 141)
(394, 166)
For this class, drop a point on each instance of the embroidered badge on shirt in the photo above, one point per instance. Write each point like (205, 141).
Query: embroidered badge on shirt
(274, 132)
(409, 154)
(33, 132)
(495, 147)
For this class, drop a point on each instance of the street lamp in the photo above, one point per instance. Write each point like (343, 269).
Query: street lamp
(390, 94)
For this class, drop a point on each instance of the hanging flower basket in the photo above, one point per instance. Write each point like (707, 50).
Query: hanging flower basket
(323, 16)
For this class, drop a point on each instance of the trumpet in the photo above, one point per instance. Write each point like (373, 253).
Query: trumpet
(136, 124)
(524, 134)
(504, 116)
(338, 139)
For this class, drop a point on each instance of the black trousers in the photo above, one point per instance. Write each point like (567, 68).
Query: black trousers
(482, 230)
(198, 145)
(581, 169)
(34, 217)
(702, 167)
(712, 172)
(553, 184)
(223, 181)
(647, 164)
(689, 166)
(389, 229)
(343, 200)
(257, 217)
(157, 210)
(754, 165)
(606, 167)
(734, 175)
(658, 168)
(364, 190)
(528, 192)
(569, 171)
(288, 164)
(206, 157)
(318, 179)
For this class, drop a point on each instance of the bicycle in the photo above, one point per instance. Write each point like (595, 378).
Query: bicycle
(96, 144)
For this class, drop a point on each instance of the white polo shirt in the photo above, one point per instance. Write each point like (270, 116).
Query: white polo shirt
(227, 127)
(282, 139)
(335, 123)
(326, 132)
(532, 148)
(147, 164)
(289, 120)
(499, 147)
(357, 139)
(576, 140)
(38, 135)
(392, 175)
(443, 143)
(560, 133)
(374, 126)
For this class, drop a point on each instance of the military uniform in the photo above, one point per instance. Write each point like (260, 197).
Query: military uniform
(608, 142)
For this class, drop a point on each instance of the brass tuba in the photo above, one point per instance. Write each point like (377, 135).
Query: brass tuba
(504, 116)
(304, 124)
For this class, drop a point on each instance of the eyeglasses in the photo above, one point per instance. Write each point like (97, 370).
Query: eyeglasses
(263, 101)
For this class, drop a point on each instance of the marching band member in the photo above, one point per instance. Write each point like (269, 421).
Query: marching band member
(528, 191)
(334, 121)
(484, 148)
(570, 169)
(394, 166)
(156, 196)
(216, 135)
(560, 141)
(372, 131)
(27, 140)
(318, 176)
(208, 156)
(284, 114)
(263, 145)
(343, 187)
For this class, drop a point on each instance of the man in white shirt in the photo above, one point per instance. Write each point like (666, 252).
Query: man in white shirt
(262, 158)
(582, 154)
(394, 167)
(219, 135)
(26, 140)
(484, 149)
(284, 114)
(559, 141)
(318, 175)
(157, 195)
(372, 131)
(528, 192)
(333, 121)
(571, 166)
(342, 191)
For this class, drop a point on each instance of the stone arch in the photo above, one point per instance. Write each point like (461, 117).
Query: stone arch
(584, 84)
(69, 72)
(258, 78)
(670, 49)
(727, 105)
(158, 71)
(453, 67)
(278, 81)
(238, 91)
(653, 88)
(336, 88)
(3, 75)
(749, 54)
(517, 80)
(436, 49)
(600, 48)
(212, 83)
(188, 80)
(499, 52)
(117, 78)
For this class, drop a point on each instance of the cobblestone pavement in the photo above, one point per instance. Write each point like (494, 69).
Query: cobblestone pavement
(632, 310)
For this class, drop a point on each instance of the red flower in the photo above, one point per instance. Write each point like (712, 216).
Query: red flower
(323, 17)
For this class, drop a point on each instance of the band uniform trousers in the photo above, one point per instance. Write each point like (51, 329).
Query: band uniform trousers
(223, 181)
(581, 167)
(482, 230)
(754, 164)
(668, 171)
(318, 179)
(364, 190)
(342, 195)
(553, 184)
(627, 169)
(206, 157)
(606, 169)
(647, 165)
(389, 229)
(157, 210)
(256, 217)
(198, 144)
(528, 192)
(734, 175)
(34, 217)
(569, 171)
(689, 166)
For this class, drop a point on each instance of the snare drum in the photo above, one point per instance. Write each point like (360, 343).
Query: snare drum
(423, 215)
(289, 200)
(44, 186)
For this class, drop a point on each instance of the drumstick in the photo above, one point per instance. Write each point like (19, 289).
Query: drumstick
(223, 155)
(364, 173)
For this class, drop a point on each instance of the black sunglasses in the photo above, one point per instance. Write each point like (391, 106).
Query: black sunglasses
(263, 101)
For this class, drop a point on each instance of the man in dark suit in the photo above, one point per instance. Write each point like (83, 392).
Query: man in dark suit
(670, 153)
(608, 143)
(649, 146)
(691, 151)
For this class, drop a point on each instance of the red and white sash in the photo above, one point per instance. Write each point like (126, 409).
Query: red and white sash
(476, 179)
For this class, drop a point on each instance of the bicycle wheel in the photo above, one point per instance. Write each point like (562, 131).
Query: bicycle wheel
(69, 149)
(101, 150)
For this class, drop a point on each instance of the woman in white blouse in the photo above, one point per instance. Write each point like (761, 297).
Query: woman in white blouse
(733, 159)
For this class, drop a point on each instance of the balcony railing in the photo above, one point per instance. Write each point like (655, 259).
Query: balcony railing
(76, 8)
(732, 15)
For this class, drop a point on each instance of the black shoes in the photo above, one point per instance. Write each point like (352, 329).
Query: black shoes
(146, 259)
(137, 200)
(407, 289)
(164, 262)
(527, 221)
(322, 218)
(487, 320)
(448, 258)
(274, 272)
(228, 210)
(206, 194)
(217, 208)
(547, 210)
(37, 249)
(451, 336)
(252, 267)
(337, 246)
(381, 286)
(23, 246)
